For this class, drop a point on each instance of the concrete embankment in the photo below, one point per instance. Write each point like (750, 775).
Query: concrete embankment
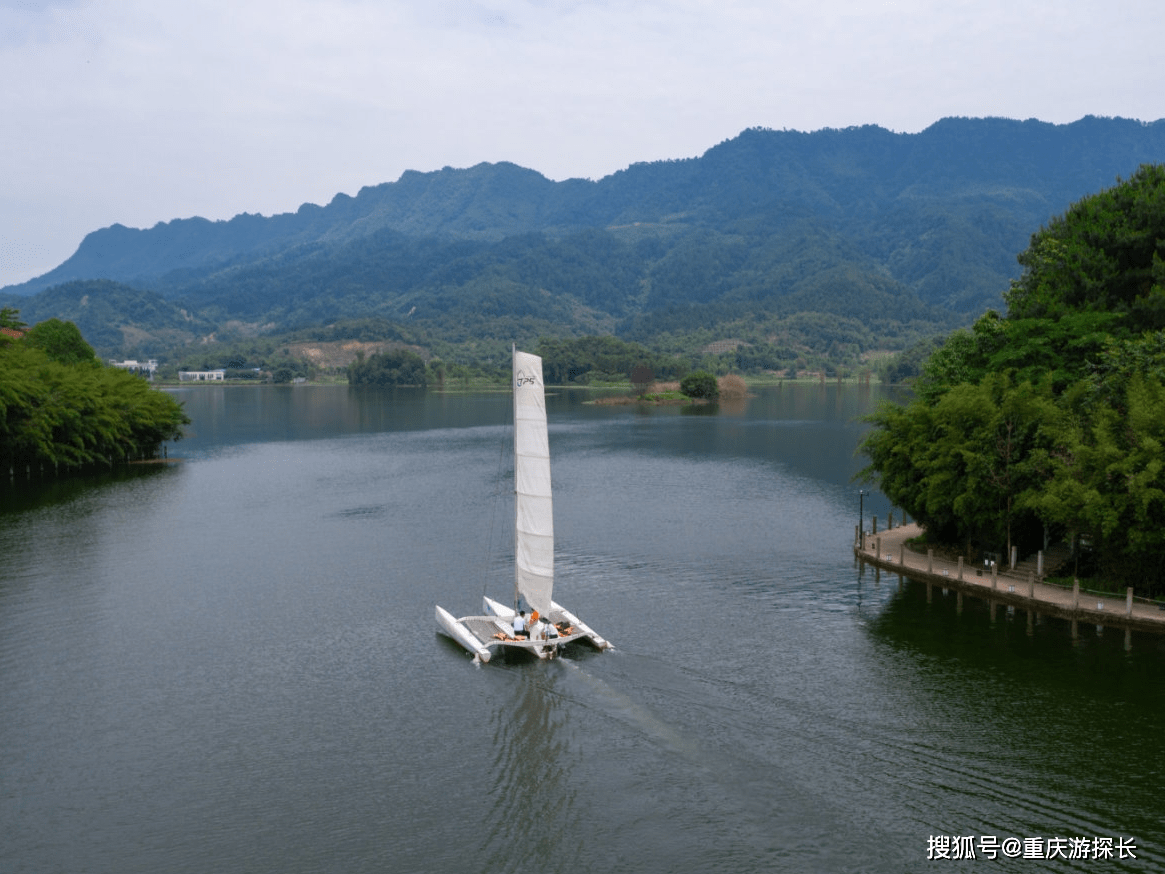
(889, 551)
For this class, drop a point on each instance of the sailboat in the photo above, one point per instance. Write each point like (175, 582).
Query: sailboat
(493, 632)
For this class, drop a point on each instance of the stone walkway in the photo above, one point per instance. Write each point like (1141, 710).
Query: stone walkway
(888, 551)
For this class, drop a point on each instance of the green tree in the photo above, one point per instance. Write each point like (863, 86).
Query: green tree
(399, 367)
(78, 415)
(1108, 483)
(700, 384)
(1104, 254)
(61, 341)
(969, 466)
(436, 372)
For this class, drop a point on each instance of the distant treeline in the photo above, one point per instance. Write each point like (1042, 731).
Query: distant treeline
(589, 359)
(397, 367)
(564, 362)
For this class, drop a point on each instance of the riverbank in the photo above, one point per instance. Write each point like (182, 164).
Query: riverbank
(889, 551)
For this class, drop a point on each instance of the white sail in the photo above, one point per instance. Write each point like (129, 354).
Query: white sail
(533, 506)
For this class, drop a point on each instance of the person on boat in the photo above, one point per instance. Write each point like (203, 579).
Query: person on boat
(520, 625)
(537, 627)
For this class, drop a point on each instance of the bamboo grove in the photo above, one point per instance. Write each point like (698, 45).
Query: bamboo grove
(1049, 423)
(61, 409)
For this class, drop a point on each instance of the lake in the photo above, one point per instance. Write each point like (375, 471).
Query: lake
(230, 663)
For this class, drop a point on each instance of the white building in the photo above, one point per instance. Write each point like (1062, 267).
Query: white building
(134, 366)
(201, 375)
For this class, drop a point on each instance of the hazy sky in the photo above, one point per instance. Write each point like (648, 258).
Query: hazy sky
(140, 111)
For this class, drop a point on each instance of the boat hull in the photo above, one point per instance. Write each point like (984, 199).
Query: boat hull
(460, 632)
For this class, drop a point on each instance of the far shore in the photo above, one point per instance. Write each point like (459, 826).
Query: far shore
(457, 385)
(651, 400)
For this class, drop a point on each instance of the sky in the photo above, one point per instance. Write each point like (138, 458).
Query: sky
(142, 111)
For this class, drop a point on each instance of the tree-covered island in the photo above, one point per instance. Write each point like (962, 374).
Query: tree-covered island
(1049, 423)
(60, 407)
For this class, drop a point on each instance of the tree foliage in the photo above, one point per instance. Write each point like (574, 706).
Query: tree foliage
(61, 342)
(1051, 421)
(77, 414)
(398, 367)
(1105, 254)
(700, 385)
(1108, 482)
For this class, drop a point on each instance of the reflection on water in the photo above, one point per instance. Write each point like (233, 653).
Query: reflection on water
(230, 415)
(20, 494)
(230, 664)
(532, 801)
(1068, 712)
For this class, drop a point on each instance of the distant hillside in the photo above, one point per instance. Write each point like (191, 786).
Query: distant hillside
(113, 317)
(893, 234)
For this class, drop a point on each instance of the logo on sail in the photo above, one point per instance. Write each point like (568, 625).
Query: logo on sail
(525, 376)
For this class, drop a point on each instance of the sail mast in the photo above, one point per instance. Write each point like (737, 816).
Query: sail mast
(514, 412)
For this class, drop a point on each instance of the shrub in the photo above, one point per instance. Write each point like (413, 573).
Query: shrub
(700, 384)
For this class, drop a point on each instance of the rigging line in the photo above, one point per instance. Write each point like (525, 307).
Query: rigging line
(493, 518)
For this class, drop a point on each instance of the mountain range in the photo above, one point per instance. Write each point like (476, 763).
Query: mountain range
(831, 243)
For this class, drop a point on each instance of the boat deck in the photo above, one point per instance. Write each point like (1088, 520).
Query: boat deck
(485, 627)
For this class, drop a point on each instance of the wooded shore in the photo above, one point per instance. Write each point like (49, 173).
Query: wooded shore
(1023, 587)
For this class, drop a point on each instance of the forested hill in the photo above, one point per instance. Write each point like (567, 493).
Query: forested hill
(1050, 422)
(859, 223)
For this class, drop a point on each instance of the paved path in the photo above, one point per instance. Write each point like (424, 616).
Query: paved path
(888, 550)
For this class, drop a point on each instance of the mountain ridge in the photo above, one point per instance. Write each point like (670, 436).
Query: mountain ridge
(883, 226)
(489, 201)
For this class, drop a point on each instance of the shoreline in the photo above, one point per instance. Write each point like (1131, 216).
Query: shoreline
(887, 550)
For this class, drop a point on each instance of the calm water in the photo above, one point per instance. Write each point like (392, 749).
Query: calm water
(230, 664)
